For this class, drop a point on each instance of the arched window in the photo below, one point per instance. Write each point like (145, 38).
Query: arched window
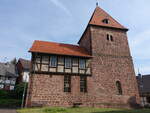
(110, 37)
(119, 88)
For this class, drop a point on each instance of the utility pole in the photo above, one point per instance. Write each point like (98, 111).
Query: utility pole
(24, 91)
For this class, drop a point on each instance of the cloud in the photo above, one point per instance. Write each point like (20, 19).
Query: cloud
(61, 6)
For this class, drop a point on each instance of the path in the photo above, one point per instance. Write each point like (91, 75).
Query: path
(8, 111)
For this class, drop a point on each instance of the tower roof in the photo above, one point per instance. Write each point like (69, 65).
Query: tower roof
(102, 18)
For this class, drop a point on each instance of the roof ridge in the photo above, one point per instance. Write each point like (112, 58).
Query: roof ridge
(58, 48)
(58, 43)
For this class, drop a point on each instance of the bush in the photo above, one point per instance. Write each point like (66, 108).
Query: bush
(19, 89)
(3, 94)
(15, 94)
(147, 106)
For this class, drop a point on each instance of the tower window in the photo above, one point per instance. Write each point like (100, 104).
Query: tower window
(119, 88)
(67, 83)
(106, 21)
(83, 84)
(110, 37)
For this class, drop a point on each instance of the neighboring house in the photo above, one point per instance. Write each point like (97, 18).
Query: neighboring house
(8, 76)
(96, 73)
(23, 67)
(144, 88)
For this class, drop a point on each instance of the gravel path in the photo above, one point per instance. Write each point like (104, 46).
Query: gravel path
(8, 111)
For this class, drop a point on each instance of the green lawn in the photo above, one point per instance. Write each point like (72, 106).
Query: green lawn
(80, 110)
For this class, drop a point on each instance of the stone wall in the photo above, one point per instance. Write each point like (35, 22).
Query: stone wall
(48, 90)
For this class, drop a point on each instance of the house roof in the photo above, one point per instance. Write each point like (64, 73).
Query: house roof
(145, 82)
(99, 15)
(58, 49)
(25, 63)
(8, 69)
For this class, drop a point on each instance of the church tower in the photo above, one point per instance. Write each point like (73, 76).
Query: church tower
(113, 78)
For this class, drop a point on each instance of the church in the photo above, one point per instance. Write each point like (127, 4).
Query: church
(97, 72)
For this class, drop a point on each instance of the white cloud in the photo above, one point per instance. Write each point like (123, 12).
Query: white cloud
(61, 6)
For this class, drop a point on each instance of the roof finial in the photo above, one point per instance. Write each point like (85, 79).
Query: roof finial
(96, 3)
(139, 74)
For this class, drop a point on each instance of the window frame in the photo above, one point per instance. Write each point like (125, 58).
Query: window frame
(83, 84)
(68, 63)
(52, 62)
(119, 88)
(105, 21)
(67, 81)
(82, 63)
(109, 37)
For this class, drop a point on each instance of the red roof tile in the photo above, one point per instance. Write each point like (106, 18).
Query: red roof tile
(99, 15)
(58, 48)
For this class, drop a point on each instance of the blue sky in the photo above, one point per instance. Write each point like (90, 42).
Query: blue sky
(23, 21)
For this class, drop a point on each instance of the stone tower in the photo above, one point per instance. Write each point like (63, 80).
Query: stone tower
(113, 78)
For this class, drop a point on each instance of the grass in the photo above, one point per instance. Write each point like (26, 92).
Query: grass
(80, 110)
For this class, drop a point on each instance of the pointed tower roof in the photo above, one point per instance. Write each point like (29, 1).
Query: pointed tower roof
(102, 18)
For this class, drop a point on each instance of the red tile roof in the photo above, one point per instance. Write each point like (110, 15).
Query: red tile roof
(58, 49)
(99, 15)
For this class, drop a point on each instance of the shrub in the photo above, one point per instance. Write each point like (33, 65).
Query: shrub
(3, 94)
(19, 89)
(147, 106)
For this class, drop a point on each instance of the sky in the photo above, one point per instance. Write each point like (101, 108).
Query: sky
(64, 21)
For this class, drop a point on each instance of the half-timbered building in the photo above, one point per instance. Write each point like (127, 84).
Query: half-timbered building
(98, 72)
